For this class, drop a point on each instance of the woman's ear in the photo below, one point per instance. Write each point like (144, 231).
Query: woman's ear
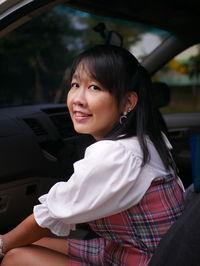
(131, 100)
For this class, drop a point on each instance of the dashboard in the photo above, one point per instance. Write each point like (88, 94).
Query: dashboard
(38, 140)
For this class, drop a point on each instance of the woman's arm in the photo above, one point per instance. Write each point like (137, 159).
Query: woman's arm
(27, 232)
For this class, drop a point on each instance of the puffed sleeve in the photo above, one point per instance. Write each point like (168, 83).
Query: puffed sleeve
(103, 183)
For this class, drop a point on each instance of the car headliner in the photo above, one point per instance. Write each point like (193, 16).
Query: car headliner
(180, 17)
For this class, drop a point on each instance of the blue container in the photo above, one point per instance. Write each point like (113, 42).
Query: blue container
(195, 152)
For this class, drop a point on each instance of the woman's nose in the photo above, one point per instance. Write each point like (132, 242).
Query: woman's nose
(79, 97)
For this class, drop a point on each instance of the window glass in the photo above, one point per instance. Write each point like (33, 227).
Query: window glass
(182, 74)
(35, 59)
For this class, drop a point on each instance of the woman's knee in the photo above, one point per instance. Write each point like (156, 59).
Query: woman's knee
(34, 255)
(13, 257)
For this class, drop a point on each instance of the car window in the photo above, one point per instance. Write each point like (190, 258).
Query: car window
(181, 114)
(36, 57)
(182, 74)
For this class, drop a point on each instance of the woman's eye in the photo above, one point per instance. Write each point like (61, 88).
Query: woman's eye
(74, 85)
(94, 87)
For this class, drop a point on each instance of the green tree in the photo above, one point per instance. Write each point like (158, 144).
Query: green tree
(35, 59)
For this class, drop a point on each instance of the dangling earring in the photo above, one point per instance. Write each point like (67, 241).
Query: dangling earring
(122, 118)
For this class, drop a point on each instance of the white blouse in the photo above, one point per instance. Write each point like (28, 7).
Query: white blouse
(108, 180)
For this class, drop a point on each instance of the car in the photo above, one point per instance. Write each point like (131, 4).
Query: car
(38, 145)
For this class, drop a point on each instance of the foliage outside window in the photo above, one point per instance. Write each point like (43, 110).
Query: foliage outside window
(182, 74)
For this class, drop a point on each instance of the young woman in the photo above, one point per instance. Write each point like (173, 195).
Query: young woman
(125, 187)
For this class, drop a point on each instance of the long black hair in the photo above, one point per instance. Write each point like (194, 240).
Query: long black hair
(120, 72)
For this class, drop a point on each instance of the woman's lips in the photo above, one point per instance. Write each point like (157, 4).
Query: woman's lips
(80, 116)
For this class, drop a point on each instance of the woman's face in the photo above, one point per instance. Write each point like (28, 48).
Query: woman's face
(93, 109)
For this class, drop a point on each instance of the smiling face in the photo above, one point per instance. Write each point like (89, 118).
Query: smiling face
(93, 109)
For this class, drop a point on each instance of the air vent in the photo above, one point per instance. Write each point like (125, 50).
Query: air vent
(35, 126)
(63, 124)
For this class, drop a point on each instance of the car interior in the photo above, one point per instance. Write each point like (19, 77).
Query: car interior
(38, 144)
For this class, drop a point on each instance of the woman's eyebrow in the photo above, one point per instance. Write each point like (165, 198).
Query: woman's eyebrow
(76, 76)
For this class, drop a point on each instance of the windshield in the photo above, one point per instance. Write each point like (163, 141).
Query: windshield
(36, 57)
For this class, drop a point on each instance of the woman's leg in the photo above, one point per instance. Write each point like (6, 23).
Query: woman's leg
(34, 255)
(57, 244)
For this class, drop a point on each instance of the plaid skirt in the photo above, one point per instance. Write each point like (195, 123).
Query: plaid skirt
(131, 237)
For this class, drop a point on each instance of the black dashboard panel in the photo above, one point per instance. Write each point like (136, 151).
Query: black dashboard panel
(38, 140)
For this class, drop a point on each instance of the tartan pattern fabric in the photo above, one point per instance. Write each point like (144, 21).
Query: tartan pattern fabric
(131, 237)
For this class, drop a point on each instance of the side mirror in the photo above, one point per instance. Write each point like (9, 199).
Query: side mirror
(161, 94)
